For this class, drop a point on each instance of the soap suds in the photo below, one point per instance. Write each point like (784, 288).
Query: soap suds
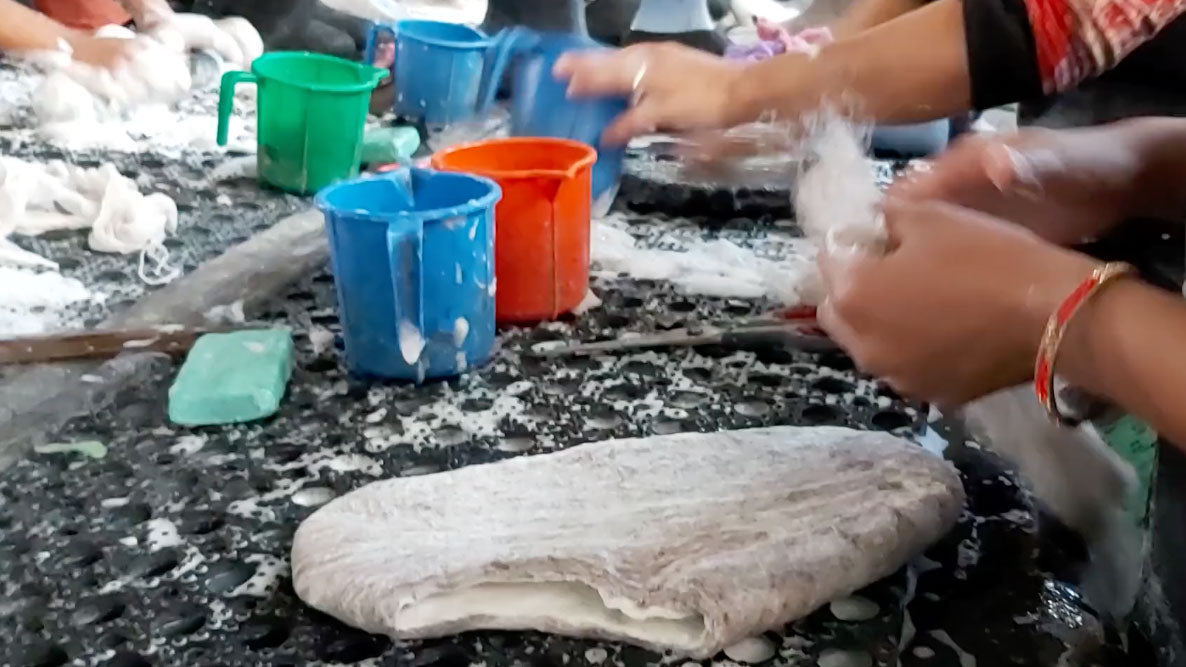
(269, 570)
(460, 331)
(411, 343)
(751, 651)
(965, 659)
(313, 496)
(34, 302)
(841, 658)
(854, 608)
(321, 339)
(590, 302)
(188, 445)
(162, 533)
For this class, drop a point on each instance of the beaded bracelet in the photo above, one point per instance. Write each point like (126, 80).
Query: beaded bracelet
(1056, 327)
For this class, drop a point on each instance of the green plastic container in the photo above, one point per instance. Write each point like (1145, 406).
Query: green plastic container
(311, 109)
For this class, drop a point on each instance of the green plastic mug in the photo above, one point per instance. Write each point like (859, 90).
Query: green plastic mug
(310, 113)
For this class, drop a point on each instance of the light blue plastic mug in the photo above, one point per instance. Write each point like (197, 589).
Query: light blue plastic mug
(437, 70)
(540, 106)
(413, 261)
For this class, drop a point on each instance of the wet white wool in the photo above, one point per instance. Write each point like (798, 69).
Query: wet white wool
(836, 195)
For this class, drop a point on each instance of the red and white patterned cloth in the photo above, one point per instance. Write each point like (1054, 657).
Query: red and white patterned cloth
(1079, 39)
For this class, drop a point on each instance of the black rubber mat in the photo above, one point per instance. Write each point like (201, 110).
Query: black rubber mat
(172, 549)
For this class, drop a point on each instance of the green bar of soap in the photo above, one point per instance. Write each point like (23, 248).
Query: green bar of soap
(384, 145)
(229, 378)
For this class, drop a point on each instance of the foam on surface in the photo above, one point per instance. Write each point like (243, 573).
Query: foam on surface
(33, 302)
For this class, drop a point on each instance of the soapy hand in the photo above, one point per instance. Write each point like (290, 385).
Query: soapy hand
(672, 87)
(96, 76)
(955, 309)
(1068, 187)
(105, 52)
(234, 39)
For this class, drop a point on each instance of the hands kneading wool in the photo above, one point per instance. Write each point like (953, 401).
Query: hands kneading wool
(79, 99)
(154, 68)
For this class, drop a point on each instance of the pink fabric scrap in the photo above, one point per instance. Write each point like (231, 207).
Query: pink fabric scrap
(775, 39)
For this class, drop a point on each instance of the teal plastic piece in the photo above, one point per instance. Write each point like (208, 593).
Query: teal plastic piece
(384, 145)
(1136, 442)
(230, 378)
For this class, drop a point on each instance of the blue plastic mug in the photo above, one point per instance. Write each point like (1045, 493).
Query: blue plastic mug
(915, 140)
(437, 69)
(539, 105)
(413, 260)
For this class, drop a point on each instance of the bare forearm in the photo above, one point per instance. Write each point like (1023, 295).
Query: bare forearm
(23, 29)
(911, 69)
(866, 14)
(1129, 345)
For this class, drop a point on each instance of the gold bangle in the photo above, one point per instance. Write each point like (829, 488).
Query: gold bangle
(1056, 328)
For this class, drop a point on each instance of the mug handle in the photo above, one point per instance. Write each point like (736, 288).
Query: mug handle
(226, 99)
(375, 30)
(406, 253)
(502, 46)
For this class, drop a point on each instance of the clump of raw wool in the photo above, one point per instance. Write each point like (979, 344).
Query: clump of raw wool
(37, 198)
(715, 268)
(836, 193)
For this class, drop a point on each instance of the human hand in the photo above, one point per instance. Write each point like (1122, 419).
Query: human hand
(147, 13)
(672, 87)
(189, 32)
(808, 40)
(109, 53)
(119, 71)
(1069, 187)
(956, 307)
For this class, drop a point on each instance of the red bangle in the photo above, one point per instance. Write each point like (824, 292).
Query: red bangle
(1056, 327)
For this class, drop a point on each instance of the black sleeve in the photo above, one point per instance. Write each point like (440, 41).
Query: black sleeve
(1002, 59)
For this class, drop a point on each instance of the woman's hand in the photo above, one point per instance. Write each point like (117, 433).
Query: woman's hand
(1069, 187)
(147, 13)
(957, 306)
(672, 87)
(109, 53)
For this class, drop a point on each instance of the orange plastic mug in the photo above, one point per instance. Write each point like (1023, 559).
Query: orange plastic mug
(541, 226)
